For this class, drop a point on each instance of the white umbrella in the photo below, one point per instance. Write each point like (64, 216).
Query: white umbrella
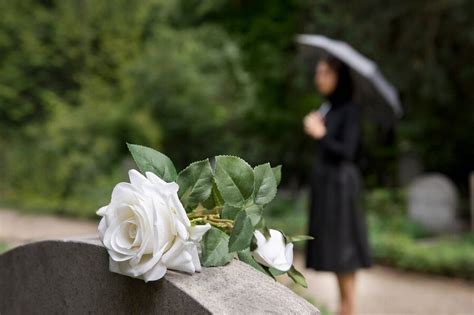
(371, 89)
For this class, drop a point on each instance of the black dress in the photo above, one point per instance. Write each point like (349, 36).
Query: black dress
(337, 222)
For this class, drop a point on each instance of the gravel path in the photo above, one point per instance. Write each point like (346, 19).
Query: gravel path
(17, 228)
(388, 291)
(381, 290)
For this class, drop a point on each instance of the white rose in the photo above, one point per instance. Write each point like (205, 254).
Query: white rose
(273, 252)
(146, 230)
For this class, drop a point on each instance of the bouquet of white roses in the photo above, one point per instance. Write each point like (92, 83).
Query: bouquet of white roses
(202, 215)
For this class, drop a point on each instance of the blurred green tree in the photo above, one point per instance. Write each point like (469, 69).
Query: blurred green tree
(197, 78)
(80, 78)
(194, 84)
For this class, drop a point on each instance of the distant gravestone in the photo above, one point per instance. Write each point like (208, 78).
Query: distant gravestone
(433, 202)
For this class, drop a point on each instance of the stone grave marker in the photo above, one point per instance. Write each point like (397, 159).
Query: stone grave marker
(433, 202)
(72, 277)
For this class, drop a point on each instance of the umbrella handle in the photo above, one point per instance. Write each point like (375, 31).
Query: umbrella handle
(324, 109)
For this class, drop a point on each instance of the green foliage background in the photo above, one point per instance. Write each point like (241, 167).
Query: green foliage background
(198, 78)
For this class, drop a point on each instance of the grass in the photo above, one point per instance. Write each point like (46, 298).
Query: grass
(405, 249)
(394, 239)
(289, 213)
(3, 247)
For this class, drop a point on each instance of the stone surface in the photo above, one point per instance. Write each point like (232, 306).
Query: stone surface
(432, 202)
(72, 277)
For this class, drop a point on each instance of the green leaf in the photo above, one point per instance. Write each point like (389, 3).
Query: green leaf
(265, 186)
(276, 272)
(297, 277)
(215, 250)
(277, 174)
(234, 178)
(253, 244)
(247, 258)
(215, 199)
(298, 238)
(149, 160)
(242, 233)
(216, 195)
(195, 183)
(229, 212)
(254, 212)
(265, 230)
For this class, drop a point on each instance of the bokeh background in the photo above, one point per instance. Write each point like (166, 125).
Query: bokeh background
(197, 78)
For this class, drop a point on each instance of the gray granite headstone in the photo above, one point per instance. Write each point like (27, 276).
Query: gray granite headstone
(433, 202)
(73, 277)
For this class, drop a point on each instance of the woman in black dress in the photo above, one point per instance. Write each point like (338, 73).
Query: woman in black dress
(336, 221)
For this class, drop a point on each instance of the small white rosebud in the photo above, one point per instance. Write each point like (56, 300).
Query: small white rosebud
(273, 252)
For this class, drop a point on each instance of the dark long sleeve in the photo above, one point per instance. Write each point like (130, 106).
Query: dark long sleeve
(345, 148)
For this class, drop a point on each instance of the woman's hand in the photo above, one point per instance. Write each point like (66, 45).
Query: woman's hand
(314, 125)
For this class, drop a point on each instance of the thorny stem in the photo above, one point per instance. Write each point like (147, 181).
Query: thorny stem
(201, 215)
(200, 211)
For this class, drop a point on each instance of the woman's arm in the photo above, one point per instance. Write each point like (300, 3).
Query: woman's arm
(346, 147)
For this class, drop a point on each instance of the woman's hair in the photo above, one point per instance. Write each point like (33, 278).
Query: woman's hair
(344, 88)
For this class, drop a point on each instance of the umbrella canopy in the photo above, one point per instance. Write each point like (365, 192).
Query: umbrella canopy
(371, 90)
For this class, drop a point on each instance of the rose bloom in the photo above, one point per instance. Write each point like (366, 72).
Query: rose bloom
(146, 231)
(273, 252)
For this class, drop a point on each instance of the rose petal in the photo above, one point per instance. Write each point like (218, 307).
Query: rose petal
(163, 225)
(137, 179)
(196, 232)
(289, 253)
(260, 238)
(117, 256)
(123, 193)
(123, 239)
(144, 221)
(179, 257)
(155, 273)
(117, 240)
(273, 252)
(282, 262)
(196, 261)
(180, 212)
(261, 259)
(146, 263)
(155, 179)
(102, 211)
(181, 229)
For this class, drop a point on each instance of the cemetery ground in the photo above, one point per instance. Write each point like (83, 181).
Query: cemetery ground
(381, 290)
